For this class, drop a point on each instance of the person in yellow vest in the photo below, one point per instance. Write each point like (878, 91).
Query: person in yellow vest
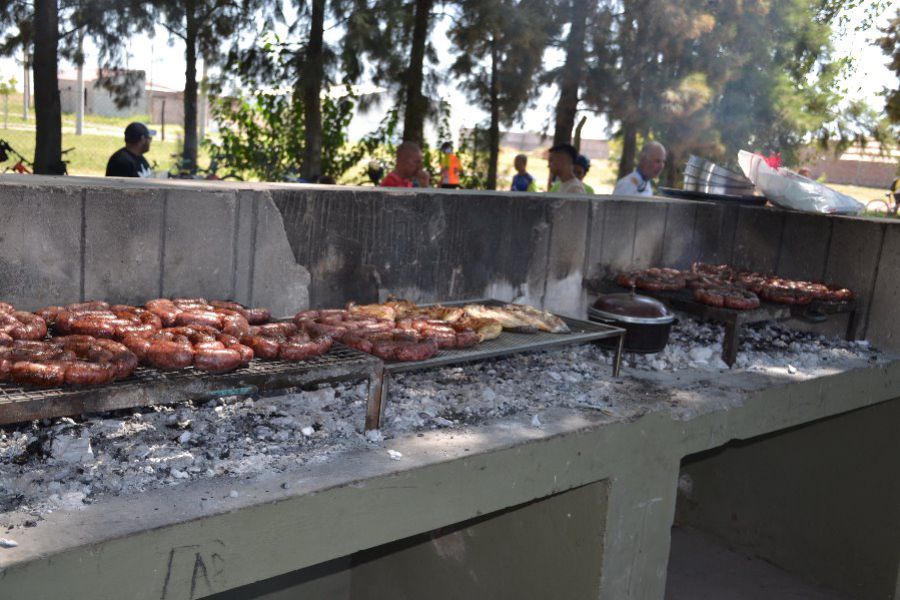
(449, 167)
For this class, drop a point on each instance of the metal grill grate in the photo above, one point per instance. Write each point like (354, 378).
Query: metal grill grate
(508, 343)
(511, 343)
(148, 386)
(734, 320)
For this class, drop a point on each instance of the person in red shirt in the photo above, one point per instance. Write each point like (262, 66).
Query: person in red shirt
(408, 170)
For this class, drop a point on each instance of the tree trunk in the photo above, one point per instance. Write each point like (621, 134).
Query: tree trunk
(26, 77)
(572, 74)
(311, 85)
(629, 149)
(494, 131)
(189, 155)
(416, 103)
(47, 111)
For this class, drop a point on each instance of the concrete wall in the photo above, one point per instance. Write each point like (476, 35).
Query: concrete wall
(872, 173)
(99, 101)
(803, 497)
(549, 548)
(287, 247)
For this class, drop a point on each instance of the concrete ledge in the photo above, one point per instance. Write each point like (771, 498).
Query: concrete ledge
(153, 543)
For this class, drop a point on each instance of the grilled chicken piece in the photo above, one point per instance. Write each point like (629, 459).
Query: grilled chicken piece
(487, 329)
(539, 318)
(379, 311)
(450, 314)
(509, 320)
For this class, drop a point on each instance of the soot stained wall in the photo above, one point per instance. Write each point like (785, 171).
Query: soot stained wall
(289, 247)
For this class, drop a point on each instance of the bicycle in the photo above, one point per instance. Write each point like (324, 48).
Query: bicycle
(888, 206)
(23, 166)
(181, 171)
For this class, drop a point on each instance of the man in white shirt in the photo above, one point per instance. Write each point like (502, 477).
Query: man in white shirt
(651, 162)
(561, 163)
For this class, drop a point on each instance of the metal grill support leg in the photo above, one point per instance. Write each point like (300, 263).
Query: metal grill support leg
(379, 382)
(730, 343)
(617, 359)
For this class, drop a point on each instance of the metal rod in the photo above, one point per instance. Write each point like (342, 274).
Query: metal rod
(617, 359)
(730, 343)
(378, 383)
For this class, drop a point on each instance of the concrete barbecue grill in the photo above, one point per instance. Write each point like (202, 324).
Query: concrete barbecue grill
(532, 475)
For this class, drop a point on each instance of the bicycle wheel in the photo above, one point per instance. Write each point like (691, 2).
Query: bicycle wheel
(878, 205)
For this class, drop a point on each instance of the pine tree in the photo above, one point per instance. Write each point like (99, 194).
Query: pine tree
(203, 26)
(49, 29)
(890, 45)
(394, 39)
(499, 55)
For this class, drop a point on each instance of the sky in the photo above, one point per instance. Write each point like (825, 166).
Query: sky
(164, 65)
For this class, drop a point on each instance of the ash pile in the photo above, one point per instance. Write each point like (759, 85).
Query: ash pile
(65, 464)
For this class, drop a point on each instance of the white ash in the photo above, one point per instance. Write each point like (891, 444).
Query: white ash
(469, 395)
(66, 463)
(579, 376)
(763, 348)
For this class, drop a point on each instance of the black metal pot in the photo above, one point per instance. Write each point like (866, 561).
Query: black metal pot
(646, 321)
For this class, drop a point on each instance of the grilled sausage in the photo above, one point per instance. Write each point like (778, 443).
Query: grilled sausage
(39, 374)
(263, 347)
(170, 355)
(217, 360)
(88, 373)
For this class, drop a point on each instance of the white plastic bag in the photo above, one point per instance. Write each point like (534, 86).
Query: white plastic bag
(787, 189)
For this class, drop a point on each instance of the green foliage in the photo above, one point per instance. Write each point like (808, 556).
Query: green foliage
(517, 31)
(262, 134)
(857, 124)
(474, 156)
(379, 146)
(7, 86)
(714, 78)
(380, 39)
(890, 46)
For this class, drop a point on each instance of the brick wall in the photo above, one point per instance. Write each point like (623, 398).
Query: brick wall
(856, 172)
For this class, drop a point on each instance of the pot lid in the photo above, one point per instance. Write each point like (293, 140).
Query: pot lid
(631, 305)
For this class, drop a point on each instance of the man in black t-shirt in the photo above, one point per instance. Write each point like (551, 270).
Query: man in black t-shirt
(129, 161)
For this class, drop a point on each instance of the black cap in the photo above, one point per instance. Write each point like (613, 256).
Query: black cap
(136, 131)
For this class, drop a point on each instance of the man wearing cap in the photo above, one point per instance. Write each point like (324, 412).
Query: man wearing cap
(129, 161)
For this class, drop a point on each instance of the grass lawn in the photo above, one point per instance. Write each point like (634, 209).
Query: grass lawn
(91, 151)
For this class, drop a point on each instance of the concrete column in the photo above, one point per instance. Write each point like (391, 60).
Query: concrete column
(638, 524)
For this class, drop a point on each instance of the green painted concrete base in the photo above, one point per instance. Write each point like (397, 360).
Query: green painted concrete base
(489, 512)
(822, 500)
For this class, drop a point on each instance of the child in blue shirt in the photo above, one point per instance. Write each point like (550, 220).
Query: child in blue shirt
(522, 181)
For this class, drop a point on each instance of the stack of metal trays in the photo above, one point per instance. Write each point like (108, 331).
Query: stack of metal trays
(701, 175)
